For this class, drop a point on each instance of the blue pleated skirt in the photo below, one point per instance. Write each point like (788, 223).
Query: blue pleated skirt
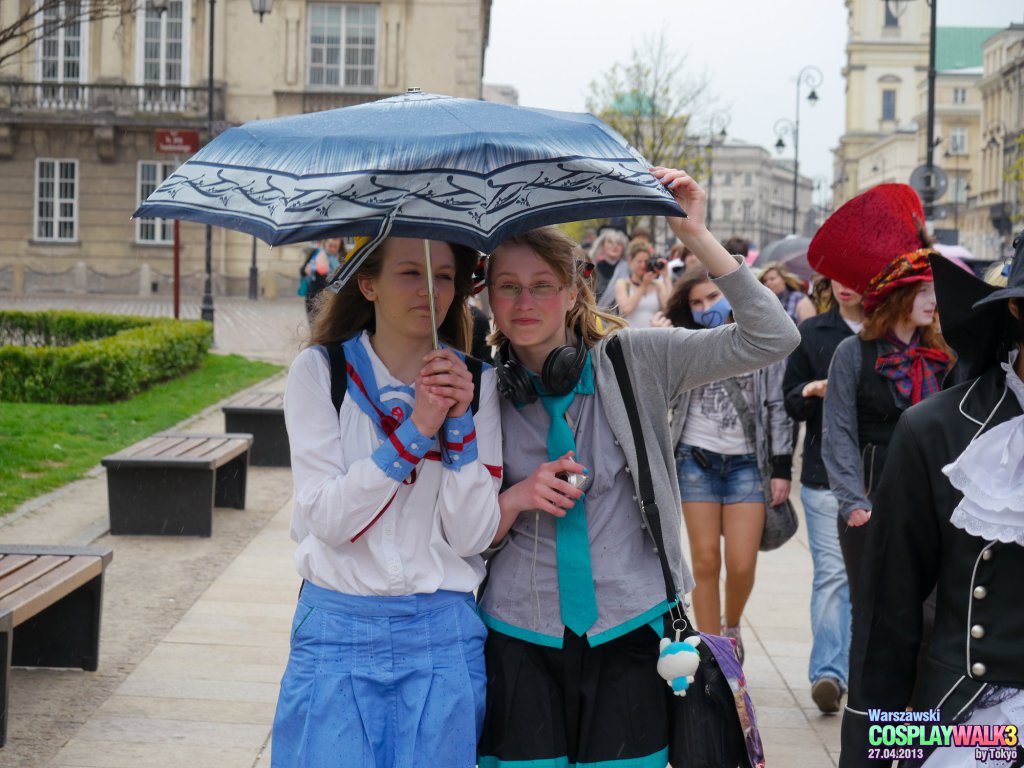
(381, 682)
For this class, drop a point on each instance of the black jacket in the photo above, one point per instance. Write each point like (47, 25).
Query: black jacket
(912, 548)
(819, 337)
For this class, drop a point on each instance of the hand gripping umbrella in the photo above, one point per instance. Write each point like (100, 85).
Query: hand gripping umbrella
(415, 165)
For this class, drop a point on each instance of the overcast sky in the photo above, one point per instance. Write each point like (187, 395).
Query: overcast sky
(752, 50)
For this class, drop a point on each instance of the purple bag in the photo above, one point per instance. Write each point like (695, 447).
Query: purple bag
(714, 726)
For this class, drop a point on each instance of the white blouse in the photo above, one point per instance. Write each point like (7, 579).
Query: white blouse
(363, 531)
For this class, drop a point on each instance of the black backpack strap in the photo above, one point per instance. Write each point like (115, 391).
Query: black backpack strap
(476, 370)
(339, 374)
(648, 504)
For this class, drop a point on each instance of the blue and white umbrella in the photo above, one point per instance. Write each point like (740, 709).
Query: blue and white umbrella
(437, 167)
(416, 165)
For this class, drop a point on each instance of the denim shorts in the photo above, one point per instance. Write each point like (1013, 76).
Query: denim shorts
(726, 480)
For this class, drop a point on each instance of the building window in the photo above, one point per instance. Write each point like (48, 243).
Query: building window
(728, 180)
(56, 204)
(960, 189)
(958, 141)
(748, 179)
(342, 45)
(892, 18)
(727, 210)
(62, 54)
(748, 210)
(959, 95)
(163, 54)
(151, 174)
(889, 104)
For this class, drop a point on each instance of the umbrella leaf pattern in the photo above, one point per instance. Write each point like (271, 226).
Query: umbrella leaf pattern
(434, 166)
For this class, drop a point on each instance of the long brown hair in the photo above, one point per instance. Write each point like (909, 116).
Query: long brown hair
(341, 316)
(895, 307)
(677, 308)
(563, 255)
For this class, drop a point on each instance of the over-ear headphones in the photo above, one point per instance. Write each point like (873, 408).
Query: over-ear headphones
(559, 374)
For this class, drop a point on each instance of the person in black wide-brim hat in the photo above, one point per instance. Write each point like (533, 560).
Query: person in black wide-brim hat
(950, 514)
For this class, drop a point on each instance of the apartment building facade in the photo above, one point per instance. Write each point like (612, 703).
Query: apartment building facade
(95, 115)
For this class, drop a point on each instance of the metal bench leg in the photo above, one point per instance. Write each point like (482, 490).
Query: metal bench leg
(171, 502)
(229, 490)
(67, 634)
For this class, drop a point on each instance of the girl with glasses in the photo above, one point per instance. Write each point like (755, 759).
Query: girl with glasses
(575, 600)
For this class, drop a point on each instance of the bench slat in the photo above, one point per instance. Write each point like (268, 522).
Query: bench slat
(182, 451)
(203, 449)
(11, 563)
(51, 586)
(28, 573)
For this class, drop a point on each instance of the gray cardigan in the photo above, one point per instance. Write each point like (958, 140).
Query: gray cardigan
(665, 362)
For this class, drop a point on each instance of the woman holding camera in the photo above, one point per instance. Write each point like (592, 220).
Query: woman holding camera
(643, 294)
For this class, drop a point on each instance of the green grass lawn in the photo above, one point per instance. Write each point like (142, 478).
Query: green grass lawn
(45, 446)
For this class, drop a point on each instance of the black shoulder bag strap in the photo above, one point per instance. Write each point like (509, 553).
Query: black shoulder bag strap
(648, 504)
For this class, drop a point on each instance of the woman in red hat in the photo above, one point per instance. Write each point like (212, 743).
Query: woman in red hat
(876, 244)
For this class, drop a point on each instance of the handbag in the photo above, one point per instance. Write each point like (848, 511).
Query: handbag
(714, 725)
(780, 520)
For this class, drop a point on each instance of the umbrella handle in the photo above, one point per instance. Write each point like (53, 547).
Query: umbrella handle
(430, 296)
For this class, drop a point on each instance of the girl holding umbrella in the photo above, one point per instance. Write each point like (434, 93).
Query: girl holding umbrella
(396, 496)
(575, 598)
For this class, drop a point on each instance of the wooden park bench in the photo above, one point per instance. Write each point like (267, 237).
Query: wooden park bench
(50, 604)
(168, 484)
(262, 415)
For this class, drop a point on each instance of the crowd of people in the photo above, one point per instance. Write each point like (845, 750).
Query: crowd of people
(478, 581)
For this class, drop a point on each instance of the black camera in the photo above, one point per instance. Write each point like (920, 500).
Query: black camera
(656, 264)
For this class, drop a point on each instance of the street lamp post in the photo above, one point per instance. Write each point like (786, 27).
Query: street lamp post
(812, 77)
(260, 7)
(717, 125)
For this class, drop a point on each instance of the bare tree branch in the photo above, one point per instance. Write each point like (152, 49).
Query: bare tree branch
(40, 18)
(652, 101)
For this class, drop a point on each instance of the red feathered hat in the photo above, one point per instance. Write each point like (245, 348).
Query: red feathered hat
(874, 243)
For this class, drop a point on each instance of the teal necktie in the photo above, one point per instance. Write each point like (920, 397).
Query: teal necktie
(572, 544)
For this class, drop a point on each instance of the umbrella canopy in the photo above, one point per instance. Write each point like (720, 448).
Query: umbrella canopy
(790, 252)
(955, 252)
(416, 165)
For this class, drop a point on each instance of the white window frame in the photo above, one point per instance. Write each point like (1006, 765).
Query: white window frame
(958, 188)
(341, 85)
(959, 95)
(56, 219)
(69, 97)
(186, 47)
(163, 229)
(958, 140)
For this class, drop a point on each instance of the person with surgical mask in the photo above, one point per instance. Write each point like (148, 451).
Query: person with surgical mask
(734, 454)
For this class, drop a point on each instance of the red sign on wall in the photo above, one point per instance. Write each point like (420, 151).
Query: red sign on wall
(177, 142)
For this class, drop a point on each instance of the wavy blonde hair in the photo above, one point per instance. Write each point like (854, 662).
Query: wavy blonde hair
(564, 256)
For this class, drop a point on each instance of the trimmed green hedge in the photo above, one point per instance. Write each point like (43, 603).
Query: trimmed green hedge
(81, 357)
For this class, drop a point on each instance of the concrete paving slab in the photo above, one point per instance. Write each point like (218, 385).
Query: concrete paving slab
(162, 731)
(112, 754)
(210, 710)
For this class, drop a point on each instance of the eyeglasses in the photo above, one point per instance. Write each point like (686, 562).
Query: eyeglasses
(539, 291)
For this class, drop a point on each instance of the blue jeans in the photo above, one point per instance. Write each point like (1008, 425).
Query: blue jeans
(830, 594)
(725, 479)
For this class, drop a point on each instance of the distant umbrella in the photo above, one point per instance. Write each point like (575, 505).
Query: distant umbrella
(790, 252)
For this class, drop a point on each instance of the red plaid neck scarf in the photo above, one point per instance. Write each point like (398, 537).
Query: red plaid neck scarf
(912, 368)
